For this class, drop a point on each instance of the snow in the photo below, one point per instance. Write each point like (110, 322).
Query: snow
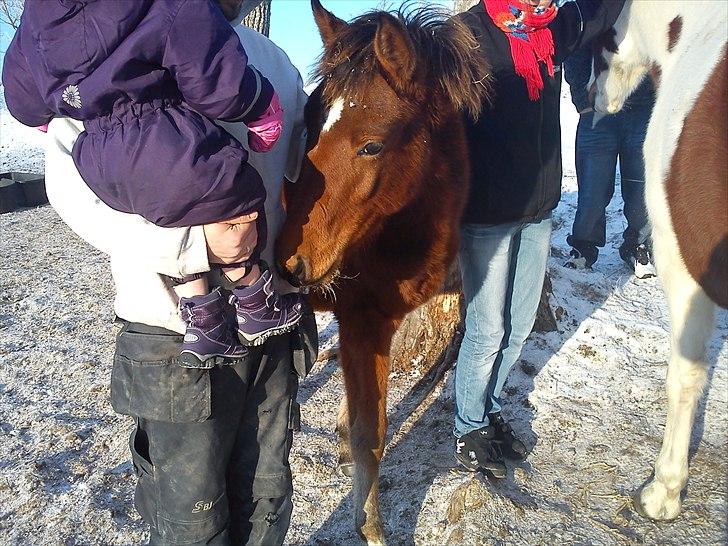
(589, 399)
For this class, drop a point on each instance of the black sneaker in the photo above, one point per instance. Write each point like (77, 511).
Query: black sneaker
(583, 254)
(510, 446)
(477, 450)
(639, 259)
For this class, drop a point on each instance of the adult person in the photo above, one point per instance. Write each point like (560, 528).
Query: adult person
(210, 446)
(515, 154)
(598, 145)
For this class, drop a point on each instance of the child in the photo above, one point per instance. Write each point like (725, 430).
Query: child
(147, 77)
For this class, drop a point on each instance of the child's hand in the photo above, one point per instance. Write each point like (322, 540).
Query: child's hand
(264, 132)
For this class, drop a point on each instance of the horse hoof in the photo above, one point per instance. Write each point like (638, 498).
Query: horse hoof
(373, 535)
(347, 469)
(654, 503)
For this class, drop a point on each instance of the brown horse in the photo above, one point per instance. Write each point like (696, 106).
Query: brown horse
(373, 220)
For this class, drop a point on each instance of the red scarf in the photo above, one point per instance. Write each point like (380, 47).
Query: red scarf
(529, 37)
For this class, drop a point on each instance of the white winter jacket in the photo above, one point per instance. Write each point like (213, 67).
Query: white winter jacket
(142, 254)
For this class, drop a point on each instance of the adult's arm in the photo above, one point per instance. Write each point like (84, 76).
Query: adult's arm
(297, 148)
(577, 71)
(579, 22)
(175, 252)
(210, 66)
(22, 96)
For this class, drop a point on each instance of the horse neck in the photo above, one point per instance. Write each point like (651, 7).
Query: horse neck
(648, 24)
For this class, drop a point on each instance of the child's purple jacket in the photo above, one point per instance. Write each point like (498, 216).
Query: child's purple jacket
(146, 77)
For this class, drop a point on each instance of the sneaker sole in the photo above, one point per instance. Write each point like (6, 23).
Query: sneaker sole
(644, 271)
(260, 338)
(578, 264)
(498, 474)
(465, 465)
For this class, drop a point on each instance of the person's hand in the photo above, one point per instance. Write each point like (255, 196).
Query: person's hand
(264, 132)
(231, 243)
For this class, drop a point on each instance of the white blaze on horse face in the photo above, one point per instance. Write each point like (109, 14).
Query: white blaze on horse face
(334, 114)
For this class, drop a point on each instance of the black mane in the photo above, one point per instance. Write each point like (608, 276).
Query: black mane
(443, 45)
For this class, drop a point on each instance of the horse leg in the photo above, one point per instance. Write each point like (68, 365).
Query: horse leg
(346, 463)
(691, 315)
(365, 340)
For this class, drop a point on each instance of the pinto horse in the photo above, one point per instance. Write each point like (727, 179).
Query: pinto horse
(373, 219)
(683, 44)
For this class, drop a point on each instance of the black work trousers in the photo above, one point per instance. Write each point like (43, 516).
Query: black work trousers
(210, 447)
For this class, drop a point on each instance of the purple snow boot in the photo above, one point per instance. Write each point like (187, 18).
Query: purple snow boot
(262, 312)
(209, 338)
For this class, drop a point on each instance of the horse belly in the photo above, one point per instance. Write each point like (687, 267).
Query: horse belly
(696, 187)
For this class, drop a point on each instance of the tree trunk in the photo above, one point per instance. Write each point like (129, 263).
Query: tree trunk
(259, 18)
(463, 5)
(429, 337)
(545, 319)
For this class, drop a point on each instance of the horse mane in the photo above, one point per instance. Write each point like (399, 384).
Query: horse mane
(451, 55)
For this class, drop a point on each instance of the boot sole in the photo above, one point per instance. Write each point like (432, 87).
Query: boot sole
(191, 359)
(254, 340)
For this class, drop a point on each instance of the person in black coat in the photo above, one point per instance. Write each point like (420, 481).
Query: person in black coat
(515, 154)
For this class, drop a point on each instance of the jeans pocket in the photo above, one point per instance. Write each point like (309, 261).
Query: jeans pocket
(160, 391)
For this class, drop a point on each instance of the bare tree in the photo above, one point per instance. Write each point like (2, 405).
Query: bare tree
(10, 11)
(259, 18)
(463, 5)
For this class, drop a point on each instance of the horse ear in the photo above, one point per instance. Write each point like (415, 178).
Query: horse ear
(328, 24)
(394, 51)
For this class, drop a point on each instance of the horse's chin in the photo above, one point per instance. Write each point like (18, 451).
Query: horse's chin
(325, 280)
(324, 283)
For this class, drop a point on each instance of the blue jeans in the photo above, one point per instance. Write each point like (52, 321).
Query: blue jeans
(503, 269)
(620, 135)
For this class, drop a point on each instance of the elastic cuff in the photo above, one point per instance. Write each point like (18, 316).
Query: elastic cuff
(258, 101)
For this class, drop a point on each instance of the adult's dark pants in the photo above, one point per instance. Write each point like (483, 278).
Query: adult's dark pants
(622, 136)
(210, 447)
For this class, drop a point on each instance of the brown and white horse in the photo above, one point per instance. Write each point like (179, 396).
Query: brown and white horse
(373, 220)
(683, 44)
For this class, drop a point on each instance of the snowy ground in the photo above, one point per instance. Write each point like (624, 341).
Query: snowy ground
(589, 399)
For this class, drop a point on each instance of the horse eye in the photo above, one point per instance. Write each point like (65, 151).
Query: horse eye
(371, 148)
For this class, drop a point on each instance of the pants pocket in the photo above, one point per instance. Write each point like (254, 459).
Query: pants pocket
(145, 494)
(159, 390)
(304, 344)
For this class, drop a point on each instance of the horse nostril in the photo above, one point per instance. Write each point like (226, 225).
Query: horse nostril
(294, 270)
(300, 268)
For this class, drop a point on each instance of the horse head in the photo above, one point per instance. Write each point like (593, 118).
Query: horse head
(390, 92)
(620, 63)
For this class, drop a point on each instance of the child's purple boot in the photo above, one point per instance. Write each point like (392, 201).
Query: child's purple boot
(209, 337)
(262, 312)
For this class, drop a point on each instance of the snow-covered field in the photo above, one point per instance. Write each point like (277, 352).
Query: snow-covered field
(589, 399)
